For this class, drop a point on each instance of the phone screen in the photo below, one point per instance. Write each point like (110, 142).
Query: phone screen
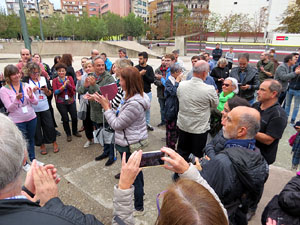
(152, 159)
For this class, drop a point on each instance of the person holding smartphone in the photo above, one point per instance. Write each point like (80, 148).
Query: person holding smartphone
(129, 122)
(45, 130)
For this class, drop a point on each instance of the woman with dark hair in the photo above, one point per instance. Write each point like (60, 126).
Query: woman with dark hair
(53, 70)
(38, 59)
(67, 59)
(64, 91)
(45, 131)
(129, 122)
(18, 99)
(217, 143)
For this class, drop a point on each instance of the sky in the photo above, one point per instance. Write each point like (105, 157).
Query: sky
(55, 2)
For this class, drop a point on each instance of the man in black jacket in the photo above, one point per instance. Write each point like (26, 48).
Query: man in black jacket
(217, 54)
(40, 184)
(247, 77)
(238, 172)
(147, 74)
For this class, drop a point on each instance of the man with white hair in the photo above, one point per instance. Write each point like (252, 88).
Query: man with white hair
(94, 53)
(18, 205)
(196, 99)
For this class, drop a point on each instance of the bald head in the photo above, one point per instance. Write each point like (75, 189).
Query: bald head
(241, 123)
(201, 69)
(94, 53)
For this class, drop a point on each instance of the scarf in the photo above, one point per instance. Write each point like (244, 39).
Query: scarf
(244, 143)
(223, 99)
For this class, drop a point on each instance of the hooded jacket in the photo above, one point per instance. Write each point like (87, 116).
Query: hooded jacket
(130, 120)
(236, 171)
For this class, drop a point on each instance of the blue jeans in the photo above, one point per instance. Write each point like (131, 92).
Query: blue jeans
(138, 182)
(108, 149)
(162, 102)
(28, 130)
(289, 97)
(148, 111)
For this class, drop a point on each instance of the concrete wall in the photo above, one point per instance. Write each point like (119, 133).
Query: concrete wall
(76, 48)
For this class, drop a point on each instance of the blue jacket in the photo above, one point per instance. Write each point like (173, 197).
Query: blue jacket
(172, 104)
(108, 64)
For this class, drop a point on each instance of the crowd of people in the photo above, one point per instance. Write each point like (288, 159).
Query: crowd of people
(223, 125)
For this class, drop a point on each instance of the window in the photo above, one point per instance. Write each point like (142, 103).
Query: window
(93, 9)
(104, 7)
(144, 3)
(235, 3)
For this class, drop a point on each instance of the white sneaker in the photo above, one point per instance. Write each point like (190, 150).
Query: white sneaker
(87, 144)
(26, 168)
(39, 163)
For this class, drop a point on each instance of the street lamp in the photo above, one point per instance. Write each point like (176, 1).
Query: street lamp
(24, 26)
(41, 25)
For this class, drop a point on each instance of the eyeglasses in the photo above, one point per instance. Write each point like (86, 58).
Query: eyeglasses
(157, 200)
(226, 85)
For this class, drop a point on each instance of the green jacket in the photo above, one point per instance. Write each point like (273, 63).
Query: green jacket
(269, 67)
(96, 108)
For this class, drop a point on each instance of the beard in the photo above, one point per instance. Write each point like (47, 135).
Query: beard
(229, 134)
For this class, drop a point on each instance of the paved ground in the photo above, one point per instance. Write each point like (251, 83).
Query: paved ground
(88, 185)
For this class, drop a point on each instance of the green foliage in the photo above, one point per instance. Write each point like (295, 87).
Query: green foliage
(290, 21)
(77, 28)
(133, 26)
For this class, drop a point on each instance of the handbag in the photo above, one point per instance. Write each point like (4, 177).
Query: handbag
(292, 139)
(104, 135)
(136, 146)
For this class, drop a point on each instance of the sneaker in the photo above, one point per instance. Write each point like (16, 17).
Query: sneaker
(100, 157)
(77, 134)
(26, 167)
(149, 127)
(117, 176)
(161, 124)
(110, 162)
(139, 212)
(39, 163)
(69, 138)
(87, 144)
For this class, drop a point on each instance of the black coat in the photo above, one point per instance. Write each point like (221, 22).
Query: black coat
(286, 205)
(25, 212)
(172, 104)
(218, 73)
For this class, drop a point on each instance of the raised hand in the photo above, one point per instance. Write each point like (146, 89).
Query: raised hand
(29, 92)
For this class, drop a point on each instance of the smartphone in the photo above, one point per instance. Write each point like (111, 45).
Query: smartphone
(152, 159)
(43, 86)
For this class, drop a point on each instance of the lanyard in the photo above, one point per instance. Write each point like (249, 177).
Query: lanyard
(120, 106)
(62, 82)
(21, 89)
(36, 85)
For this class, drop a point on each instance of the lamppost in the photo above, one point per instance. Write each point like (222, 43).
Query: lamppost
(24, 26)
(41, 25)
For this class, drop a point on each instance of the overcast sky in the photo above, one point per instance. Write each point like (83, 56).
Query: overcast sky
(56, 3)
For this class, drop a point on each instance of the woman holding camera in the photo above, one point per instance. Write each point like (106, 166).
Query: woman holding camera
(129, 122)
(45, 130)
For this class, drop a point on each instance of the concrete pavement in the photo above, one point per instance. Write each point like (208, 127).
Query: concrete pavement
(88, 185)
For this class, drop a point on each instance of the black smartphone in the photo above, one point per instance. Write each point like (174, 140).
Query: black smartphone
(152, 159)
(43, 86)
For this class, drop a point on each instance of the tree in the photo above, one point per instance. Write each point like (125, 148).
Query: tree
(259, 22)
(10, 25)
(70, 26)
(242, 24)
(290, 21)
(114, 24)
(133, 26)
(99, 28)
(227, 25)
(33, 26)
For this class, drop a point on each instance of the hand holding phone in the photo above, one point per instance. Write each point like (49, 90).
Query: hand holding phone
(152, 159)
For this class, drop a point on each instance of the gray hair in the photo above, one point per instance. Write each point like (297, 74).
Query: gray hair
(96, 58)
(204, 67)
(175, 68)
(234, 83)
(12, 150)
(244, 55)
(92, 51)
(275, 86)
(122, 63)
(222, 61)
(123, 50)
(251, 122)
